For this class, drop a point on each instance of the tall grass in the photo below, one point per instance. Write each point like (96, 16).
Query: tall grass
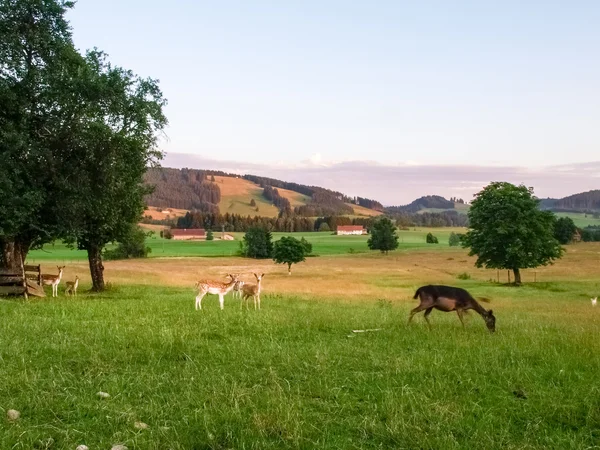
(293, 375)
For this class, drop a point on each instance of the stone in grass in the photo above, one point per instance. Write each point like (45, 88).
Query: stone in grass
(13, 415)
(118, 447)
(82, 447)
(103, 394)
(141, 425)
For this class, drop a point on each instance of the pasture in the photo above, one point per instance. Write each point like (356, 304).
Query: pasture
(294, 375)
(324, 244)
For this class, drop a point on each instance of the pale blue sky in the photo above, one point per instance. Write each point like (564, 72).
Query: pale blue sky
(429, 82)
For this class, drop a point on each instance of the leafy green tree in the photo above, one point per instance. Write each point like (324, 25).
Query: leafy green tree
(431, 239)
(324, 227)
(454, 239)
(120, 121)
(132, 245)
(383, 236)
(307, 246)
(289, 250)
(564, 230)
(509, 231)
(37, 63)
(209, 235)
(258, 243)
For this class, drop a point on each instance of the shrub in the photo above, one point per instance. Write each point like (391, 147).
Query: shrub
(455, 239)
(463, 276)
(132, 245)
(210, 236)
(252, 202)
(324, 227)
(167, 234)
(258, 243)
(431, 239)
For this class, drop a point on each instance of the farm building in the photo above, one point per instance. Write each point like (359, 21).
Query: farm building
(188, 233)
(350, 229)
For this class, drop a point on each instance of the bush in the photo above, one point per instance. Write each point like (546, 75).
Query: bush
(564, 230)
(324, 227)
(167, 234)
(132, 245)
(455, 239)
(307, 246)
(252, 202)
(210, 236)
(431, 239)
(463, 276)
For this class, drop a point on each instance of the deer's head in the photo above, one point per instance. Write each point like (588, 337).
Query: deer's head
(259, 277)
(490, 320)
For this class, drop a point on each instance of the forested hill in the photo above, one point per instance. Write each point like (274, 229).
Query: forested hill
(216, 191)
(426, 202)
(585, 201)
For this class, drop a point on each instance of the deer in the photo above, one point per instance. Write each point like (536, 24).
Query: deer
(216, 288)
(448, 298)
(237, 289)
(71, 287)
(594, 301)
(53, 280)
(252, 290)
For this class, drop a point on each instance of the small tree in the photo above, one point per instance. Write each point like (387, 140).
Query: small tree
(431, 239)
(383, 236)
(454, 240)
(131, 245)
(324, 227)
(289, 250)
(509, 231)
(564, 230)
(209, 235)
(307, 246)
(258, 243)
(167, 234)
(253, 203)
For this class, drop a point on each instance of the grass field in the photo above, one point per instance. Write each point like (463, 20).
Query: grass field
(294, 375)
(581, 220)
(324, 243)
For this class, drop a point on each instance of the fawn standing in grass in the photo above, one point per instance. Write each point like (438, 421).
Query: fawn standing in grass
(252, 290)
(447, 298)
(71, 288)
(216, 288)
(53, 280)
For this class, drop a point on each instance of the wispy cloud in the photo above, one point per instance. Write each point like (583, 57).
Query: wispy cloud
(403, 182)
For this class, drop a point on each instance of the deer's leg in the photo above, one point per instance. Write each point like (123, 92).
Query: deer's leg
(460, 313)
(258, 296)
(222, 301)
(422, 306)
(427, 312)
(199, 300)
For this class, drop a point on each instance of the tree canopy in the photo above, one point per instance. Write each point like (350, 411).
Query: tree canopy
(289, 250)
(383, 236)
(564, 230)
(509, 231)
(258, 243)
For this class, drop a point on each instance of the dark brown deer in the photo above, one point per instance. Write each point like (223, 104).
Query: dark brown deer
(448, 298)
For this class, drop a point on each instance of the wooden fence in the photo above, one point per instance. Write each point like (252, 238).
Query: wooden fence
(27, 281)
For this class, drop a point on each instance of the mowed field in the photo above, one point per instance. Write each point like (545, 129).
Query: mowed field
(294, 374)
(324, 244)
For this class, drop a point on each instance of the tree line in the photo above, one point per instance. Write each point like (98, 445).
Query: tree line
(272, 194)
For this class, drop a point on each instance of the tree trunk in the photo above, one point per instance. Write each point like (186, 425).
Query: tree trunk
(289, 269)
(96, 268)
(12, 254)
(517, 273)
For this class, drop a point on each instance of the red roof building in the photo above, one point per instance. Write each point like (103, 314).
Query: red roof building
(188, 233)
(350, 229)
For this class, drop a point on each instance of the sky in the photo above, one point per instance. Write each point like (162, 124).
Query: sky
(386, 99)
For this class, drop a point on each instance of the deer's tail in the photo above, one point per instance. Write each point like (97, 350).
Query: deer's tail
(417, 294)
(484, 299)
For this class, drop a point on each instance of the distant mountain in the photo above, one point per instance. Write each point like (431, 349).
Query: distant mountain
(426, 202)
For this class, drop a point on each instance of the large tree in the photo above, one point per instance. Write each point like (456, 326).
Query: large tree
(383, 236)
(258, 243)
(118, 129)
(37, 60)
(509, 231)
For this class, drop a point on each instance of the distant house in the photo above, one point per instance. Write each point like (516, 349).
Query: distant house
(350, 229)
(182, 234)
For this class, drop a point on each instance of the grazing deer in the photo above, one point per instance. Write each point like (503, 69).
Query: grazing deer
(237, 289)
(71, 288)
(216, 288)
(53, 280)
(252, 290)
(447, 298)
(594, 301)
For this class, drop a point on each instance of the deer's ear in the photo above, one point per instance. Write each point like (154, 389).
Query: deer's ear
(490, 312)
(262, 275)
